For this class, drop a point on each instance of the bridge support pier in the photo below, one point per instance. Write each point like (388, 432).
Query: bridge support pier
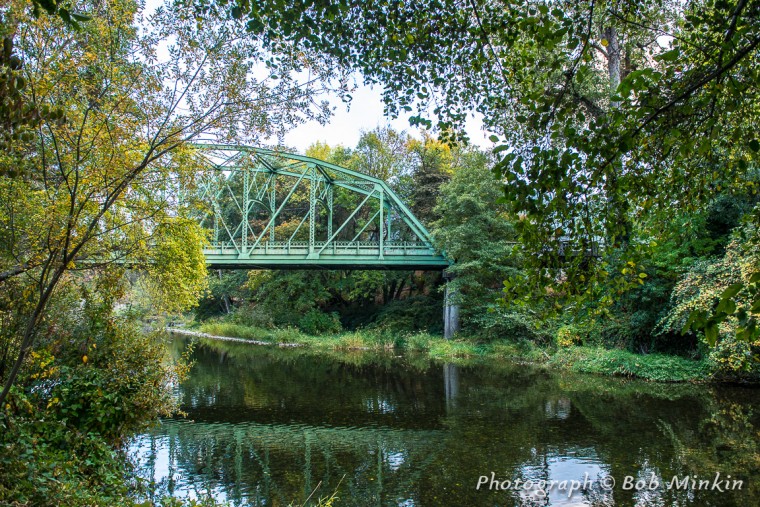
(450, 309)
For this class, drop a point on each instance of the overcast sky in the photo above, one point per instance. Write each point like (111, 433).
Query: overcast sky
(366, 113)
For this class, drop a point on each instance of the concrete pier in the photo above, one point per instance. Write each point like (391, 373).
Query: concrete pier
(450, 309)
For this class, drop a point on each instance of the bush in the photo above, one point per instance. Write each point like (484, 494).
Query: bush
(614, 332)
(252, 316)
(448, 349)
(414, 314)
(417, 342)
(658, 367)
(490, 324)
(45, 461)
(700, 289)
(116, 389)
(72, 411)
(733, 358)
(567, 336)
(316, 322)
(519, 351)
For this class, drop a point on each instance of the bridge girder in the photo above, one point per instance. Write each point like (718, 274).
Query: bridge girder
(267, 209)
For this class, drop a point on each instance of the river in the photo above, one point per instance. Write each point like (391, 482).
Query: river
(275, 427)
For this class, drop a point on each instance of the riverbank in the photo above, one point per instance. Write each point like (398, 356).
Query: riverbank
(581, 359)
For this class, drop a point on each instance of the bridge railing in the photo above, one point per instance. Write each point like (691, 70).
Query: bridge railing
(392, 248)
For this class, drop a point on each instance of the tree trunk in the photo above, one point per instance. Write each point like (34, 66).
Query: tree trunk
(389, 291)
(616, 207)
(400, 288)
(613, 61)
(226, 303)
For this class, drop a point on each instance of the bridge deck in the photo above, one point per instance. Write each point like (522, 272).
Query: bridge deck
(333, 255)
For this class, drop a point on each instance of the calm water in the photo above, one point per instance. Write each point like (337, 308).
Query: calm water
(266, 426)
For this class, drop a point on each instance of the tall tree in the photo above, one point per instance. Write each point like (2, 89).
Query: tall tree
(383, 153)
(475, 232)
(95, 174)
(435, 162)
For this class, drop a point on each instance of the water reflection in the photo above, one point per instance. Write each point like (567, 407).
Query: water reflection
(451, 385)
(271, 427)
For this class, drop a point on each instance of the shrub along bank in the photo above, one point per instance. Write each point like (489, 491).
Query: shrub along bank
(65, 427)
(578, 358)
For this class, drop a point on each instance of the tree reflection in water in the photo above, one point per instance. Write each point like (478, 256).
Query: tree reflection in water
(266, 426)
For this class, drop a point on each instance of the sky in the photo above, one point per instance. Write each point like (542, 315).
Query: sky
(366, 113)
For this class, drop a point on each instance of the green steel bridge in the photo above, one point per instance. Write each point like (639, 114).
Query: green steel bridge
(269, 209)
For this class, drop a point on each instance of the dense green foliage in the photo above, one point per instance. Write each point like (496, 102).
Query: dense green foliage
(94, 149)
(478, 234)
(81, 395)
(608, 116)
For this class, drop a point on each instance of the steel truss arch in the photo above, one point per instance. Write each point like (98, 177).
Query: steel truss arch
(269, 209)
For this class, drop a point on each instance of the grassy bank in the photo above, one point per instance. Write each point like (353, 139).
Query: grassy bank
(582, 359)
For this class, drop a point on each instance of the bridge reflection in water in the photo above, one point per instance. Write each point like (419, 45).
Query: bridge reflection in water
(268, 426)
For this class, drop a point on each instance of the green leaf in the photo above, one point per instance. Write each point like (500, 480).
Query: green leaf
(670, 56)
(754, 145)
(65, 15)
(711, 333)
(689, 322)
(624, 144)
(726, 306)
(493, 138)
(80, 17)
(732, 291)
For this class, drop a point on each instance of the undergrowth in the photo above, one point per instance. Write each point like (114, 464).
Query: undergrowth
(583, 359)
